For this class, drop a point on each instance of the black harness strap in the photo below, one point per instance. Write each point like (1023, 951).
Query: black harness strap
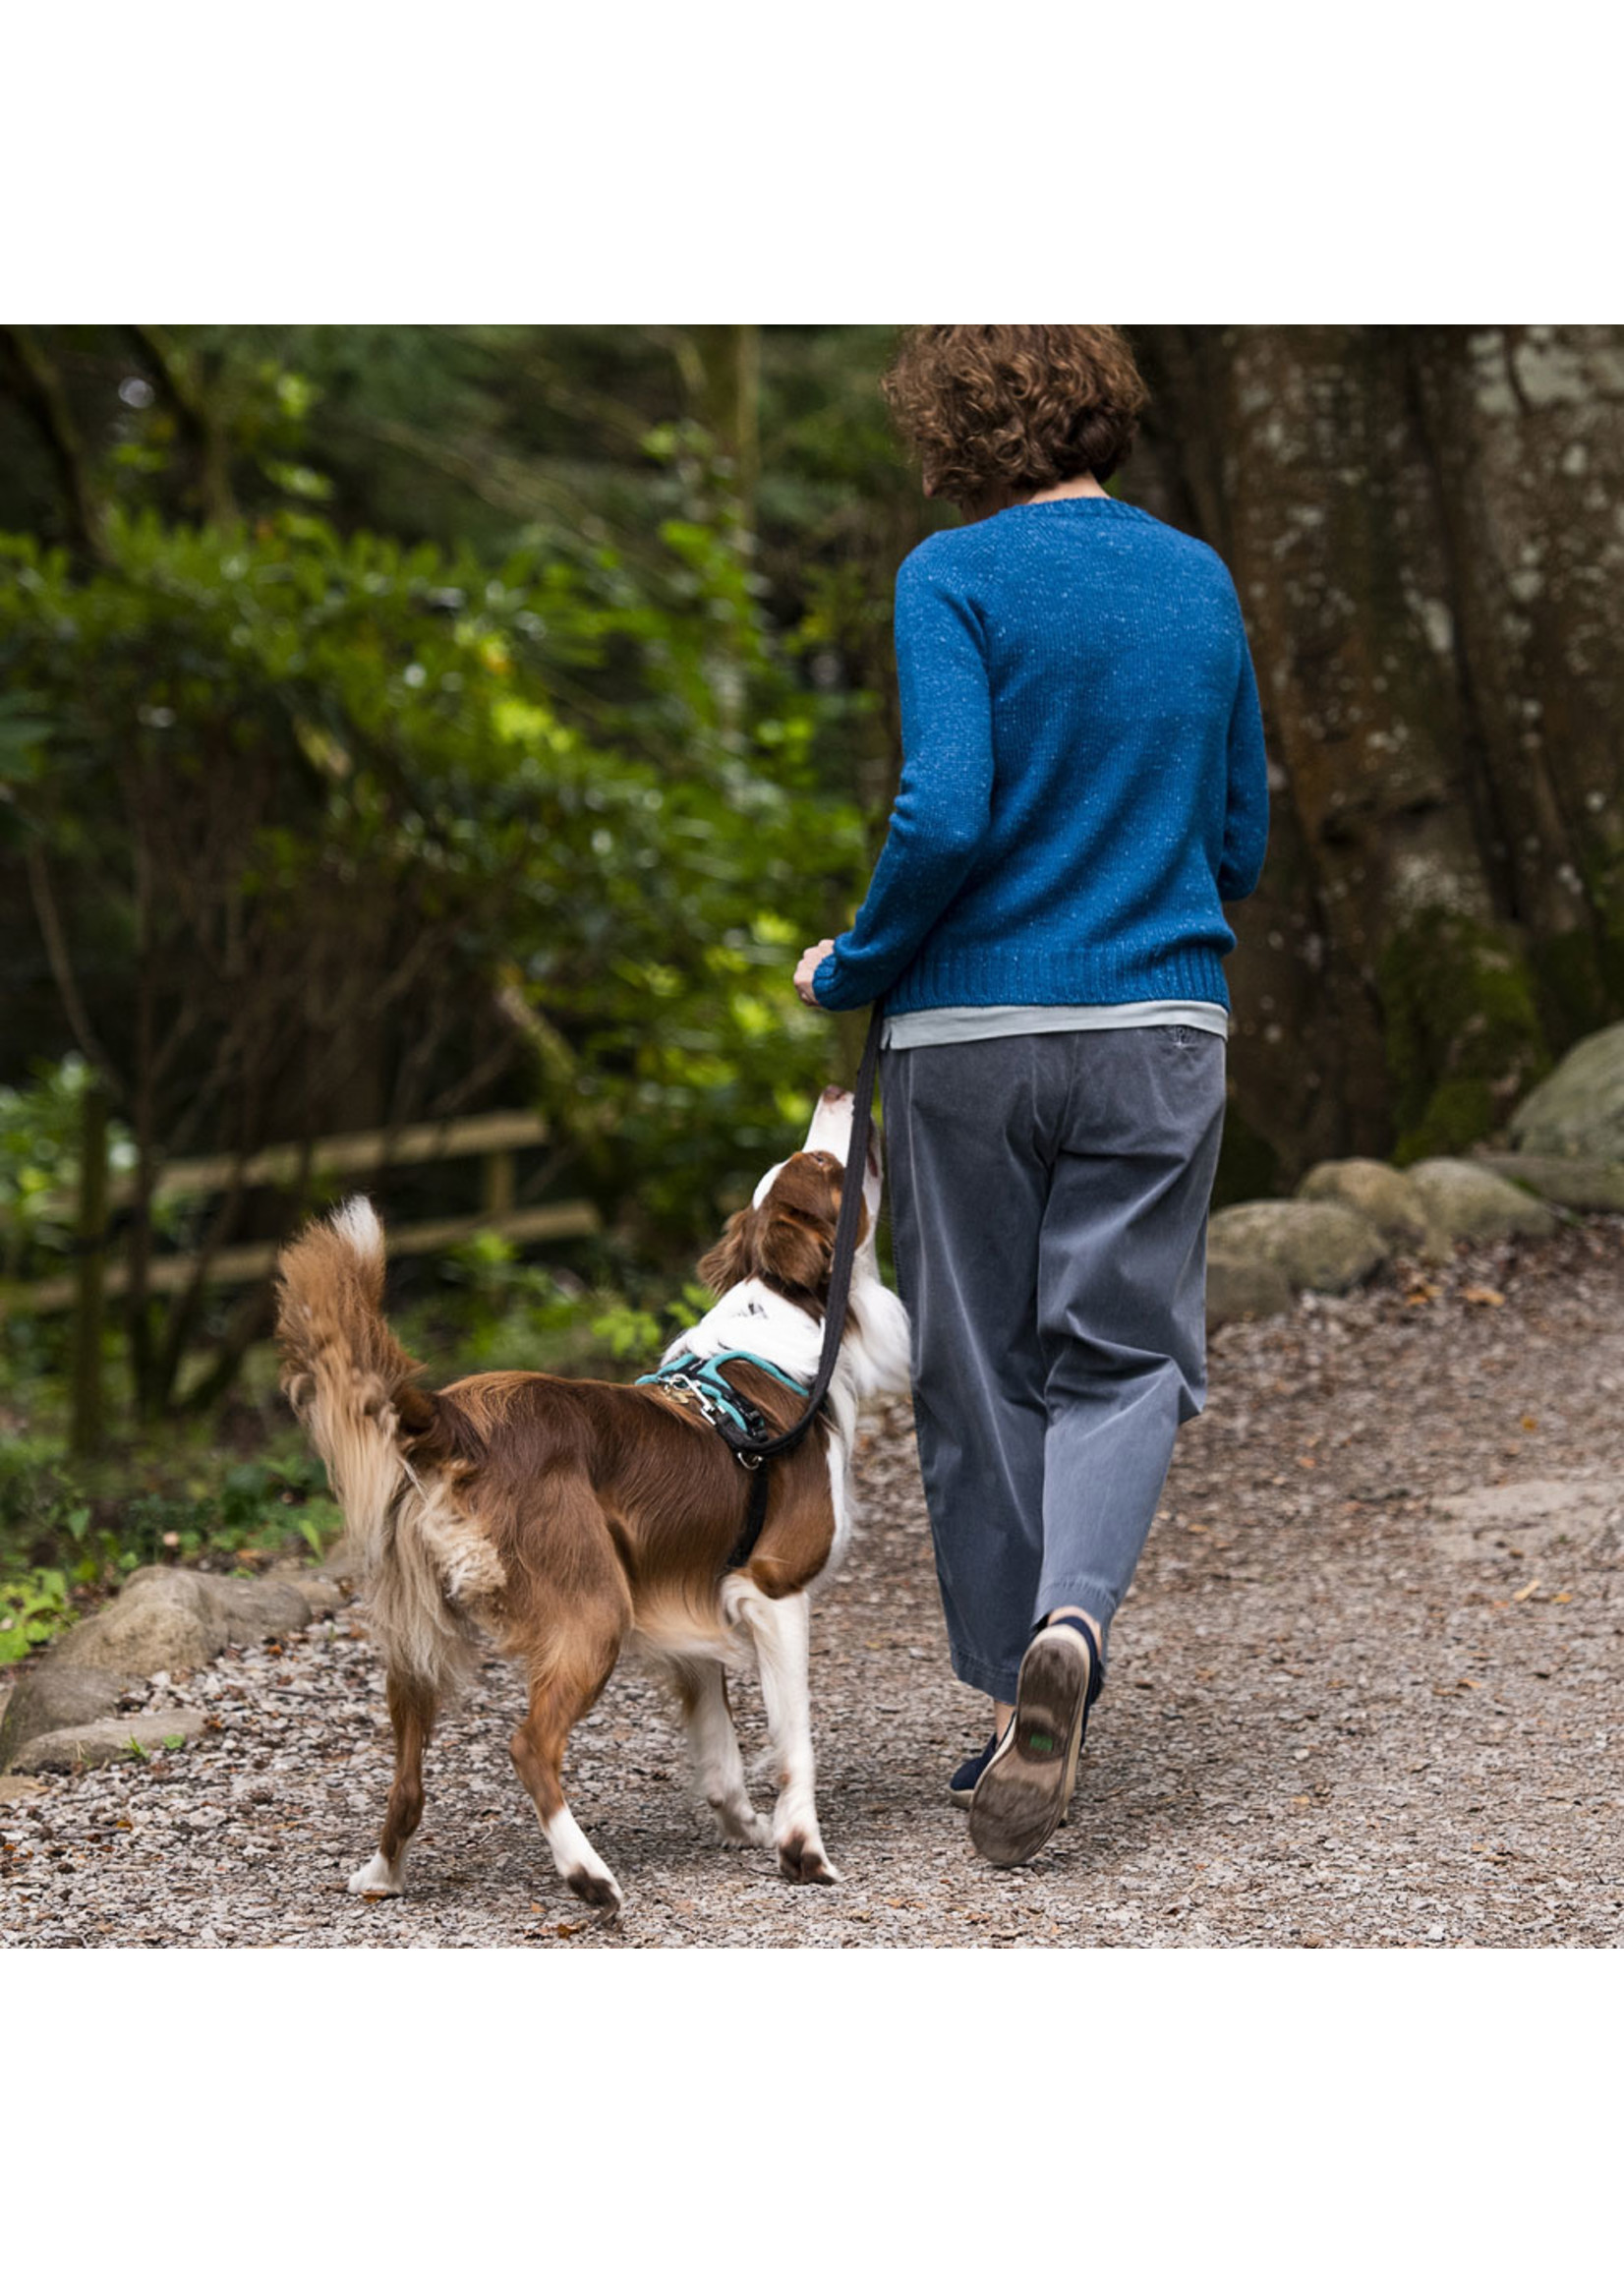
(839, 1287)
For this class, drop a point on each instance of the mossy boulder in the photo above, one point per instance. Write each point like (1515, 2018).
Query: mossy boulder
(166, 1617)
(1579, 1112)
(87, 1746)
(1383, 1195)
(1462, 1029)
(50, 1696)
(1245, 1287)
(1317, 1244)
(1469, 1202)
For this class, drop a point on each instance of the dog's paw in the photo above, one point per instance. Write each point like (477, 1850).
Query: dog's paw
(802, 1859)
(378, 1878)
(734, 1824)
(599, 1891)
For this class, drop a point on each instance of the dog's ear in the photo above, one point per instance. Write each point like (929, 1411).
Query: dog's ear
(730, 1259)
(795, 1251)
(796, 1238)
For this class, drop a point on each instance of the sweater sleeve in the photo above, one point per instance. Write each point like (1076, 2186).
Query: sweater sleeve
(1247, 802)
(944, 801)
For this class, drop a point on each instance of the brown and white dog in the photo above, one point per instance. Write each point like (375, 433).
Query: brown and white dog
(564, 1518)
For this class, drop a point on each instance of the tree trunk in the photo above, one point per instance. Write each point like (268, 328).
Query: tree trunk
(1418, 526)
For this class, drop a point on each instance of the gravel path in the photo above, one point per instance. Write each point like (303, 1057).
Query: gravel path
(1338, 1714)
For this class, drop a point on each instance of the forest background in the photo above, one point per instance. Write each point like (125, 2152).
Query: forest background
(403, 723)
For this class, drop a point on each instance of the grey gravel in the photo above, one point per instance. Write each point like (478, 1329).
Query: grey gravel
(1336, 1714)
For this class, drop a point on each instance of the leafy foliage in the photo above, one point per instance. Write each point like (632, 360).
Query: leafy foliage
(399, 723)
(297, 780)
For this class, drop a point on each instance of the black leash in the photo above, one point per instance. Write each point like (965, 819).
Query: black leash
(839, 1287)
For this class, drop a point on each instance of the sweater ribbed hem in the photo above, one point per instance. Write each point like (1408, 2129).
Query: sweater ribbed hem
(943, 978)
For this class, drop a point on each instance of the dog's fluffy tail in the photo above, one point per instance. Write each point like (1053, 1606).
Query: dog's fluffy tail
(351, 1384)
(342, 1368)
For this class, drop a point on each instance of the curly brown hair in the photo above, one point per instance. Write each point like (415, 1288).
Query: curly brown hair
(995, 411)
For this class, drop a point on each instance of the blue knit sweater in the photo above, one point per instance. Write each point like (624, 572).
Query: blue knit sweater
(1084, 780)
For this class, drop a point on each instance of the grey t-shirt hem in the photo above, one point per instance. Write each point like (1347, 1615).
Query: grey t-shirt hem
(981, 1022)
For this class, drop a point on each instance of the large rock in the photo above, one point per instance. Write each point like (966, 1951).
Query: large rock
(319, 1586)
(91, 1743)
(51, 1696)
(1596, 1186)
(165, 1618)
(161, 1619)
(1469, 1202)
(1317, 1244)
(252, 1608)
(1578, 1110)
(1374, 1190)
(1245, 1287)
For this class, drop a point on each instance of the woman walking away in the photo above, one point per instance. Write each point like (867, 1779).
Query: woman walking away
(1083, 786)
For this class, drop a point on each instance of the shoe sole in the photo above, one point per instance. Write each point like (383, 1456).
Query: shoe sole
(1024, 1791)
(963, 1799)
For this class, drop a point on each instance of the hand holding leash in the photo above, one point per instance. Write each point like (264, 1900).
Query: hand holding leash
(805, 968)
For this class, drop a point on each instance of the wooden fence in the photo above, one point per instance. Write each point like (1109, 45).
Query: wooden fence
(98, 1276)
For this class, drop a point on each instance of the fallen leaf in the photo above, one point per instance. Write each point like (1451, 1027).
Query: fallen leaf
(1561, 1599)
(1306, 1461)
(1523, 1593)
(1481, 1295)
(1467, 1683)
(1528, 1422)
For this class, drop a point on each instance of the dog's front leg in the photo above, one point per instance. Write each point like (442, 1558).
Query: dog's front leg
(782, 1632)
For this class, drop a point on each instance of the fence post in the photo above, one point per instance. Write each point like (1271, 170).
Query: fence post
(90, 1309)
(499, 1184)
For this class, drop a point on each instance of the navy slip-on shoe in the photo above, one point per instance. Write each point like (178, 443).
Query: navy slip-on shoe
(1024, 1792)
(966, 1776)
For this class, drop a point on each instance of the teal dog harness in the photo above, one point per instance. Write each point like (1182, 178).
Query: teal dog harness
(698, 1383)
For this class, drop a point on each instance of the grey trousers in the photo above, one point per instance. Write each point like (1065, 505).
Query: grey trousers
(1048, 1206)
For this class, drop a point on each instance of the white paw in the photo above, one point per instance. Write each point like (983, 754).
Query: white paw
(379, 1878)
(733, 1824)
